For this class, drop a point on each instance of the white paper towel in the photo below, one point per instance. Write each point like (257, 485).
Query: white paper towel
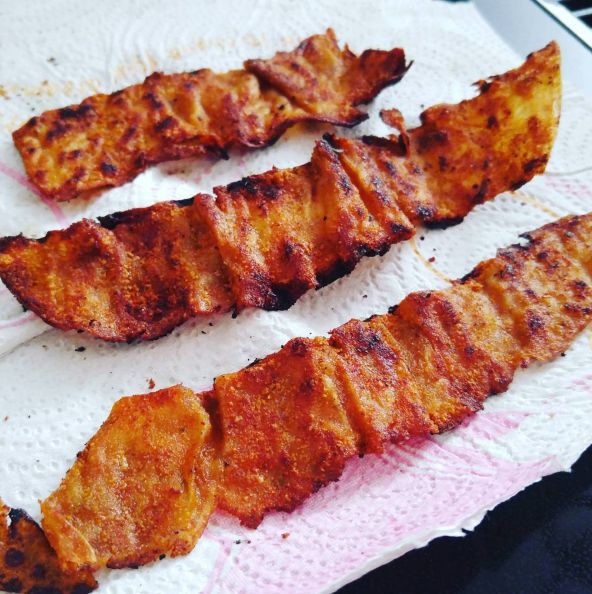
(53, 398)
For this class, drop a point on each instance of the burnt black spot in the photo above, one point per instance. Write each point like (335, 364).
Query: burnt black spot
(140, 161)
(108, 168)
(580, 284)
(443, 223)
(484, 86)
(184, 202)
(246, 183)
(129, 133)
(32, 122)
(46, 590)
(39, 571)
(469, 350)
(382, 142)
(80, 349)
(75, 112)
(442, 163)
(467, 277)
(517, 184)
(58, 129)
(253, 362)
(479, 197)
(528, 237)
(542, 255)
(425, 213)
(288, 249)
(431, 138)
(330, 140)
(534, 322)
(283, 296)
(74, 154)
(84, 588)
(535, 163)
(164, 124)
(154, 102)
(16, 515)
(317, 485)
(399, 229)
(14, 558)
(12, 585)
(367, 341)
(491, 121)
(393, 308)
(270, 190)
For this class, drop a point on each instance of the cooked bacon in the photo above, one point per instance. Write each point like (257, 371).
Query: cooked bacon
(287, 424)
(144, 486)
(267, 239)
(29, 564)
(108, 139)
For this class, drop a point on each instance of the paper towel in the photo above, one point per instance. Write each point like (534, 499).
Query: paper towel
(54, 397)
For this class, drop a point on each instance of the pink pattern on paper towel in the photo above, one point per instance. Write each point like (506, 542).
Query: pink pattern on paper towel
(570, 186)
(18, 177)
(380, 502)
(20, 321)
(223, 555)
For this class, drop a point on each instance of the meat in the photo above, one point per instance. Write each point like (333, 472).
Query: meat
(144, 486)
(286, 425)
(108, 139)
(265, 240)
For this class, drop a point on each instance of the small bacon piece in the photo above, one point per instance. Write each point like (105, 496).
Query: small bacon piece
(143, 488)
(108, 139)
(267, 239)
(287, 424)
(29, 564)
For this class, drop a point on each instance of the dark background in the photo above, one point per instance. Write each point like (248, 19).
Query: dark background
(539, 541)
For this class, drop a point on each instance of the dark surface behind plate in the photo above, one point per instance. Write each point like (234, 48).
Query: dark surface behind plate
(539, 541)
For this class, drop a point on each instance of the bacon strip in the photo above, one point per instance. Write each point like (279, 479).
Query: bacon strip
(287, 424)
(108, 139)
(156, 494)
(29, 564)
(265, 240)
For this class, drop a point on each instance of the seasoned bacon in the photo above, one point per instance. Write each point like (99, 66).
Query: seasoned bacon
(108, 139)
(29, 564)
(265, 240)
(286, 425)
(155, 494)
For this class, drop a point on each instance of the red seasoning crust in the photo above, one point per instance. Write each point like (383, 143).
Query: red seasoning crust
(265, 240)
(108, 139)
(286, 425)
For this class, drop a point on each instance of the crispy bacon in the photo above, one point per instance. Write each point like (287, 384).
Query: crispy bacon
(108, 139)
(29, 564)
(287, 424)
(152, 499)
(265, 240)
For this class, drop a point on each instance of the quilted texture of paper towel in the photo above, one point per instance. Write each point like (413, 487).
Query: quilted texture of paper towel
(56, 388)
